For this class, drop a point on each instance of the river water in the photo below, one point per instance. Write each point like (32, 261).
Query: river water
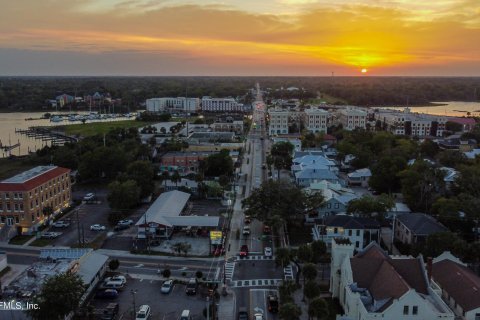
(452, 108)
(16, 120)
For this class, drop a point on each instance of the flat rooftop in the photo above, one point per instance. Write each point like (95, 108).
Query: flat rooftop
(29, 174)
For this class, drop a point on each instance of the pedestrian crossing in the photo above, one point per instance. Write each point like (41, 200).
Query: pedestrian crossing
(256, 283)
(288, 273)
(238, 258)
(229, 270)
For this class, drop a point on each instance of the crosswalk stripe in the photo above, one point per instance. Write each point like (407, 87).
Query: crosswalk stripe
(254, 257)
(256, 283)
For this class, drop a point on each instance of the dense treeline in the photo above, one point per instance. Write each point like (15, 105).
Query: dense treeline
(29, 93)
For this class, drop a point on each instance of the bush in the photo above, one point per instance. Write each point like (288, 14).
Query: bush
(166, 273)
(199, 274)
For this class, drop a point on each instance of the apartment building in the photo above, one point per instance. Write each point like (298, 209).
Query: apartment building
(222, 105)
(352, 118)
(24, 197)
(278, 121)
(184, 162)
(173, 105)
(316, 120)
(411, 124)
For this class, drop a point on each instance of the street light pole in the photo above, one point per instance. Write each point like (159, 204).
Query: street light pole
(134, 292)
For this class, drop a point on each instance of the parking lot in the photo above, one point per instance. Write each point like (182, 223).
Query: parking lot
(163, 306)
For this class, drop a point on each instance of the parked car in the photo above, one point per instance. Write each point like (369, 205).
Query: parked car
(61, 224)
(127, 222)
(191, 287)
(267, 251)
(272, 303)
(116, 278)
(97, 227)
(143, 312)
(244, 250)
(242, 313)
(89, 197)
(247, 219)
(107, 294)
(167, 286)
(110, 312)
(51, 235)
(246, 230)
(113, 284)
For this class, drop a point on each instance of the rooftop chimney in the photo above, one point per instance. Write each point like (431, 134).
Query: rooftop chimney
(429, 268)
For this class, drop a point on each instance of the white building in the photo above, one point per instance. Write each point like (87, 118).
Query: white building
(374, 285)
(168, 104)
(316, 120)
(278, 121)
(411, 124)
(352, 118)
(222, 105)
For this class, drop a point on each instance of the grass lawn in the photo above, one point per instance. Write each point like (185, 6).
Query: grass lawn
(41, 242)
(20, 239)
(91, 129)
(325, 98)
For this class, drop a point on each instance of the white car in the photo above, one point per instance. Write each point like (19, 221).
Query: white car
(116, 278)
(246, 230)
(61, 224)
(167, 286)
(89, 196)
(97, 227)
(267, 251)
(258, 316)
(143, 313)
(127, 222)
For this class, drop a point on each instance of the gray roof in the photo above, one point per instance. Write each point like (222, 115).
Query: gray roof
(90, 265)
(183, 183)
(193, 221)
(168, 204)
(73, 254)
(29, 174)
(319, 174)
(350, 222)
(421, 224)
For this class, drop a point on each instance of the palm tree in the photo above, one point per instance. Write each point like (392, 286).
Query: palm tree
(175, 178)
(283, 257)
(290, 311)
(318, 308)
(165, 177)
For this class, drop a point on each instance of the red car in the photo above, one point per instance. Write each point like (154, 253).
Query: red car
(244, 251)
(219, 251)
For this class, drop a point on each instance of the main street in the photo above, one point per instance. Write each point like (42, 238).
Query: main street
(251, 279)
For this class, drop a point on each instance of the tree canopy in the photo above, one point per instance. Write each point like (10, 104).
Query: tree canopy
(219, 164)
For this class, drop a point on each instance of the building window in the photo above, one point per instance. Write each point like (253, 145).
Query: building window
(358, 233)
(357, 244)
(17, 220)
(336, 205)
(335, 230)
(415, 310)
(405, 309)
(33, 218)
(350, 233)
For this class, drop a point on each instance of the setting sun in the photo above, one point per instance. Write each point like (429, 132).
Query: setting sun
(364, 70)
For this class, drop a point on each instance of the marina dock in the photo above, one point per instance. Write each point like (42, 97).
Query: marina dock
(45, 134)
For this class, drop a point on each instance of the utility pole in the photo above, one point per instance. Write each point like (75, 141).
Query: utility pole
(134, 292)
(78, 228)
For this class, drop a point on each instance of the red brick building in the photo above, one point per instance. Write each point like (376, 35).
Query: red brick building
(24, 197)
(184, 162)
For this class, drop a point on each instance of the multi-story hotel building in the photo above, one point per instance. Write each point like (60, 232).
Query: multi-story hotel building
(222, 105)
(24, 197)
(411, 124)
(316, 120)
(278, 121)
(167, 104)
(353, 118)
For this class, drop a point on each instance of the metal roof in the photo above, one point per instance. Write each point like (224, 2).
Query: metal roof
(168, 204)
(73, 254)
(29, 174)
(90, 266)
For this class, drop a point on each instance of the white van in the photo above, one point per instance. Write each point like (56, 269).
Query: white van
(185, 315)
(143, 313)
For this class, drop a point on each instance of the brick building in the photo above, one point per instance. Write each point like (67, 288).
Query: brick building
(24, 197)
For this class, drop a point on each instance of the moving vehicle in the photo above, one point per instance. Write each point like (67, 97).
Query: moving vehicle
(272, 302)
(60, 224)
(121, 227)
(258, 316)
(266, 229)
(143, 312)
(267, 251)
(51, 235)
(167, 286)
(247, 219)
(107, 294)
(244, 250)
(242, 313)
(191, 287)
(126, 222)
(246, 230)
(97, 227)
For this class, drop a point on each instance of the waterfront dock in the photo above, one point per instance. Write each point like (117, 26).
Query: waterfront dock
(46, 134)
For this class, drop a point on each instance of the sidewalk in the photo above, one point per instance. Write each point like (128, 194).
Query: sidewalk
(226, 306)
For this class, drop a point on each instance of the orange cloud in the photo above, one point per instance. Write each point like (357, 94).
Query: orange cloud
(343, 36)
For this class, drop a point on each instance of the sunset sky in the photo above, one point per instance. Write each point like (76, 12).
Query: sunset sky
(240, 37)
